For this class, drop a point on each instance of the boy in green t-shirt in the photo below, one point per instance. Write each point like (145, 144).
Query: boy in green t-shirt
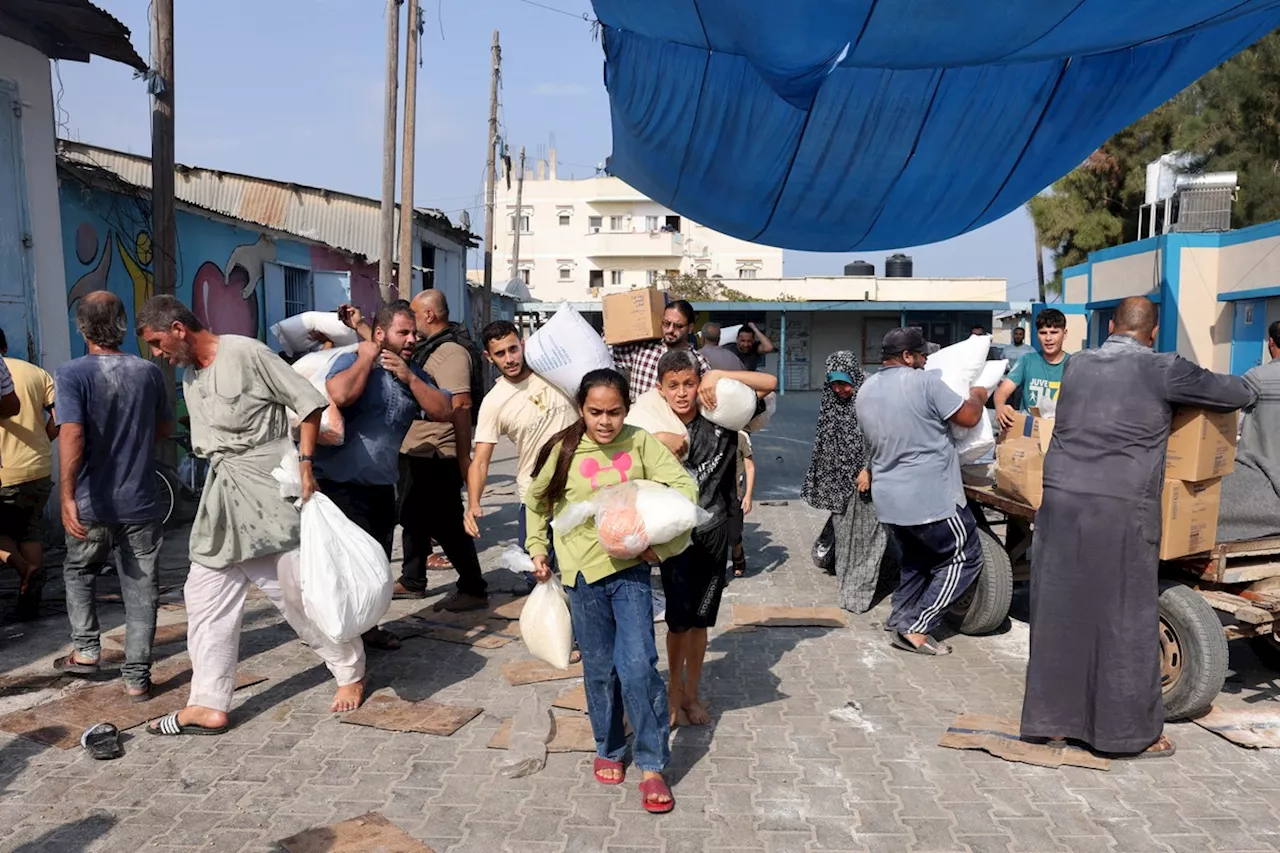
(1037, 377)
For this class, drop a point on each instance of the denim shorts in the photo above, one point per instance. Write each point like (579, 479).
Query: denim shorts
(22, 509)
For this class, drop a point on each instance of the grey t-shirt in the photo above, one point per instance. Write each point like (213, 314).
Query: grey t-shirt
(915, 472)
(1260, 429)
(721, 359)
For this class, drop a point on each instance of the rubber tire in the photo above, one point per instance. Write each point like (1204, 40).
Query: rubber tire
(1203, 647)
(167, 496)
(992, 591)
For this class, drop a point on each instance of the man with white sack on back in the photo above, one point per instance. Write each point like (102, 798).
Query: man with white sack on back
(237, 391)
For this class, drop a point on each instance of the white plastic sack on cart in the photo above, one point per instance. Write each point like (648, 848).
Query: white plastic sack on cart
(315, 368)
(345, 576)
(293, 332)
(544, 622)
(961, 367)
(565, 349)
(735, 405)
(633, 516)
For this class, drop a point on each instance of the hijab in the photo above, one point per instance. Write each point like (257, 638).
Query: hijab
(839, 449)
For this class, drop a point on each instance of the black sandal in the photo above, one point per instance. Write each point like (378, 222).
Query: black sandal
(378, 638)
(930, 646)
(168, 726)
(102, 742)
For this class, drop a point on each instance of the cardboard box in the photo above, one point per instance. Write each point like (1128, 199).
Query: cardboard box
(1202, 445)
(1189, 517)
(1020, 459)
(635, 315)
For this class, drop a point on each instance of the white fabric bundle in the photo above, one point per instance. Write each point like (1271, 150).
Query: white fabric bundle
(292, 332)
(651, 413)
(565, 349)
(735, 405)
(633, 516)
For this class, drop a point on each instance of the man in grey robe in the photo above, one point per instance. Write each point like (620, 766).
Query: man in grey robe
(1094, 671)
(1260, 428)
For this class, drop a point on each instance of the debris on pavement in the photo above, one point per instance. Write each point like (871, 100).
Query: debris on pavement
(1254, 727)
(394, 714)
(361, 834)
(1001, 738)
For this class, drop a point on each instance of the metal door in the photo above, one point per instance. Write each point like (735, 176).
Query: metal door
(331, 288)
(17, 299)
(1247, 335)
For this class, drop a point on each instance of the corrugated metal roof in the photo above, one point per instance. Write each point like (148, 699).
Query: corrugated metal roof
(341, 220)
(68, 29)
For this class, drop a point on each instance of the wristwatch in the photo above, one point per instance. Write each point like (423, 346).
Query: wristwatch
(303, 457)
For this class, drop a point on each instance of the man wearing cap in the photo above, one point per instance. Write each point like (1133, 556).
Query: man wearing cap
(905, 414)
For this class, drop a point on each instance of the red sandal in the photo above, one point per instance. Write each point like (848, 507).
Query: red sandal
(606, 764)
(656, 785)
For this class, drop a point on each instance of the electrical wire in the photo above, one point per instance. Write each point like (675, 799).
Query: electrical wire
(581, 16)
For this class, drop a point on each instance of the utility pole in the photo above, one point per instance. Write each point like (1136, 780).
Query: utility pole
(388, 247)
(515, 241)
(163, 227)
(406, 169)
(486, 292)
(1039, 262)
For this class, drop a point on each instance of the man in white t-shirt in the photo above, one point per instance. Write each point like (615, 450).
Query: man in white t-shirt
(522, 406)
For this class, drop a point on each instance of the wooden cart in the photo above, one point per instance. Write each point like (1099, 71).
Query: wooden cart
(1230, 592)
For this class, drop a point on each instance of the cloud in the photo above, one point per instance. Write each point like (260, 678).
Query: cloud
(559, 90)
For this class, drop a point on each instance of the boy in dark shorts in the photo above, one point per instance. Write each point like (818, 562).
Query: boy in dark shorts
(694, 580)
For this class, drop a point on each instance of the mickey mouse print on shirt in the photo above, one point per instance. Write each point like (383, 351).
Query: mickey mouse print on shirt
(591, 469)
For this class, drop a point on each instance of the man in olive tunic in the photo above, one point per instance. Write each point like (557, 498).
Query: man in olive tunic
(1094, 672)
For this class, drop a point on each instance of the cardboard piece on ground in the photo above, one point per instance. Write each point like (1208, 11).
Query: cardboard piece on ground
(571, 734)
(359, 835)
(510, 609)
(1202, 445)
(788, 617)
(469, 629)
(61, 722)
(399, 715)
(16, 685)
(634, 315)
(165, 634)
(573, 699)
(1020, 459)
(1189, 517)
(1000, 737)
(1253, 727)
(533, 670)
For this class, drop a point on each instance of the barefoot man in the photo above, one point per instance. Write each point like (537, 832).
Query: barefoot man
(237, 390)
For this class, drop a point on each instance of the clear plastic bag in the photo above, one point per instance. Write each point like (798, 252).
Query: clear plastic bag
(531, 730)
(633, 516)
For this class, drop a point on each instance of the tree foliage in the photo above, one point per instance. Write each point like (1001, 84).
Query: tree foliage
(1228, 120)
(698, 289)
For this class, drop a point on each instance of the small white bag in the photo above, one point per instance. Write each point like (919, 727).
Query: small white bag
(346, 578)
(565, 349)
(545, 625)
(735, 405)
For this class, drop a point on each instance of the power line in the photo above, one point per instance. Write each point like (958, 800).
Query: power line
(581, 16)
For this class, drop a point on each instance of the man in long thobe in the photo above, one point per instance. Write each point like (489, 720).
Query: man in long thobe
(1094, 672)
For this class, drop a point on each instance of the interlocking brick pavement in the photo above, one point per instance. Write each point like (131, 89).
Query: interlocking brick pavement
(774, 773)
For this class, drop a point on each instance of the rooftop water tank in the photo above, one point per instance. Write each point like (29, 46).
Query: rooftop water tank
(897, 266)
(860, 268)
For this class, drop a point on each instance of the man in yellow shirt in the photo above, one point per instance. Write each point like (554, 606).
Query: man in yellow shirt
(26, 467)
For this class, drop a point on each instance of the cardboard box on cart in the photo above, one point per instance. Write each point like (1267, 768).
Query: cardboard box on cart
(1020, 458)
(635, 315)
(1202, 445)
(1188, 517)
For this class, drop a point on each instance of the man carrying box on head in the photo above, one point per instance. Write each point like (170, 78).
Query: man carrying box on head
(1037, 377)
(640, 360)
(1094, 671)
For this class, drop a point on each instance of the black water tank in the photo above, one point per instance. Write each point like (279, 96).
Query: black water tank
(897, 266)
(859, 268)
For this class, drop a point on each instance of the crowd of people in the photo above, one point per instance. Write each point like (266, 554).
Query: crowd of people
(414, 405)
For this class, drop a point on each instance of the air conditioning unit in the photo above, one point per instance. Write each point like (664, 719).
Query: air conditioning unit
(595, 229)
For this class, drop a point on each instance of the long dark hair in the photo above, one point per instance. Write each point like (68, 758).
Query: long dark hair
(568, 438)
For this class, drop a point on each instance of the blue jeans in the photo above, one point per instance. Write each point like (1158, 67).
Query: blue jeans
(139, 546)
(613, 623)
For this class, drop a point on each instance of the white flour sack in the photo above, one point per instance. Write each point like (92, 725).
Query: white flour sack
(292, 332)
(566, 349)
(960, 366)
(735, 405)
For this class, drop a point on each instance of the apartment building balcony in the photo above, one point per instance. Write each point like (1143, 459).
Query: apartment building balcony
(635, 244)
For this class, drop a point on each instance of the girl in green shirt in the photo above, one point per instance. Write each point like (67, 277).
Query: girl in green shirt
(610, 599)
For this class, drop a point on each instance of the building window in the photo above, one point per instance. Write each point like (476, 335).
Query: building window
(615, 223)
(652, 276)
(615, 276)
(651, 223)
(747, 272)
(595, 223)
(565, 219)
(299, 295)
(701, 272)
(428, 266)
(524, 224)
(524, 277)
(566, 273)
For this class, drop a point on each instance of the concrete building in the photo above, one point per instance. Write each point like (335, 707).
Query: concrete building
(32, 275)
(250, 251)
(583, 238)
(1217, 293)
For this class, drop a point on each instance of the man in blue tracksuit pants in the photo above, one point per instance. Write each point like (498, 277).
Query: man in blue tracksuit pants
(905, 414)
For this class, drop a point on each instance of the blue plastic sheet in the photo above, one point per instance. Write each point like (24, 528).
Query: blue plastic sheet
(833, 125)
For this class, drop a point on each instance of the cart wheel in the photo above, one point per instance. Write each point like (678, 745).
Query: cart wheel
(985, 604)
(1193, 652)
(1266, 648)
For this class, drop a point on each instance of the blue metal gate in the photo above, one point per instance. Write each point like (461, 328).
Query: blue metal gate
(17, 297)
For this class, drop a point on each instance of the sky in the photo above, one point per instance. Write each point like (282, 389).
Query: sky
(293, 90)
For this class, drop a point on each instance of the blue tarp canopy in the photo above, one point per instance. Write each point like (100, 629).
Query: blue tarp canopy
(833, 125)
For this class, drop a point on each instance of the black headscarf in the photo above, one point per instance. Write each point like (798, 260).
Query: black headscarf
(839, 449)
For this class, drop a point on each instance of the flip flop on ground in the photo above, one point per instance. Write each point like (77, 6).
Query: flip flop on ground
(603, 764)
(74, 665)
(930, 646)
(168, 726)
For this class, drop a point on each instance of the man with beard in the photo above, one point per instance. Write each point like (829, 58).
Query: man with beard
(750, 346)
(237, 391)
(380, 396)
(1094, 671)
(640, 361)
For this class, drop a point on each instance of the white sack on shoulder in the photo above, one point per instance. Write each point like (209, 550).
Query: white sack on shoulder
(735, 405)
(292, 332)
(991, 374)
(346, 578)
(961, 365)
(565, 349)
(651, 413)
(315, 367)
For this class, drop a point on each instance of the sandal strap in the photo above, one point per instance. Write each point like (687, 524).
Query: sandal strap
(169, 724)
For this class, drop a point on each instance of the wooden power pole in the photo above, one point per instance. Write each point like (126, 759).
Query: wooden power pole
(515, 240)
(164, 230)
(1039, 262)
(387, 250)
(406, 256)
(486, 291)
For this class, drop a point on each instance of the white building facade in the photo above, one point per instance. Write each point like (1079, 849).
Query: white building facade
(581, 239)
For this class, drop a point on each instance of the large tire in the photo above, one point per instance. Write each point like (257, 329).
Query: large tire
(985, 604)
(1193, 652)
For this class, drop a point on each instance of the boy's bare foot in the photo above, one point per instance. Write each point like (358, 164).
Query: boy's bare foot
(696, 713)
(348, 697)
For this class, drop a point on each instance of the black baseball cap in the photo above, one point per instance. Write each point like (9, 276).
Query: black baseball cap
(898, 341)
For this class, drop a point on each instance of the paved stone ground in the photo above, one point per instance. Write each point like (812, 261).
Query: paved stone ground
(774, 773)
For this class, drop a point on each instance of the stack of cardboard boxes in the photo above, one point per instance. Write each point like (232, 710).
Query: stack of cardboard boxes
(1201, 451)
(633, 316)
